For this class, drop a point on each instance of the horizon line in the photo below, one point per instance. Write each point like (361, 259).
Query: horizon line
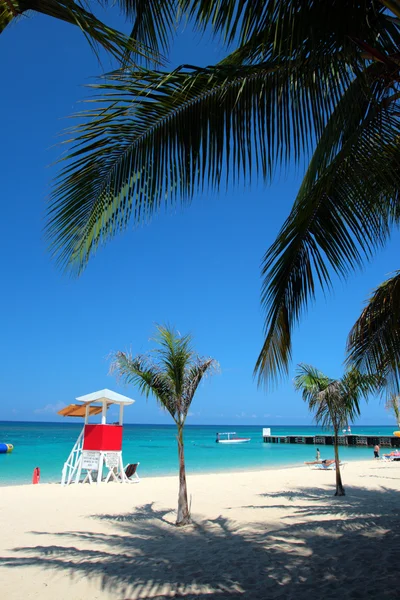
(202, 424)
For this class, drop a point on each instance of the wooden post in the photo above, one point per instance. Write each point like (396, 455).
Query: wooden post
(86, 414)
(121, 412)
(103, 413)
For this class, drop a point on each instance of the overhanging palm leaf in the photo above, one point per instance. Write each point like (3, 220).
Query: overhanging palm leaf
(298, 26)
(374, 341)
(96, 32)
(305, 74)
(344, 211)
(136, 150)
(153, 21)
(156, 137)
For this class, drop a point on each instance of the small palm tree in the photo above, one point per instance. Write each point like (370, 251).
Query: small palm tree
(172, 374)
(335, 402)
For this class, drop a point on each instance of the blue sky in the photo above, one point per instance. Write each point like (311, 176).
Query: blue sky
(197, 268)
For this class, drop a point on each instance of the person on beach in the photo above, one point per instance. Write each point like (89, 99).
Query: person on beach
(318, 455)
(376, 451)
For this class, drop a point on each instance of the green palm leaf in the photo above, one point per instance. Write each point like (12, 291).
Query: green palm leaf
(374, 341)
(154, 22)
(306, 76)
(171, 372)
(393, 405)
(154, 138)
(288, 28)
(95, 31)
(343, 212)
(147, 376)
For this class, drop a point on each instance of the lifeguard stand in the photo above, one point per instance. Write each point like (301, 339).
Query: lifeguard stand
(98, 446)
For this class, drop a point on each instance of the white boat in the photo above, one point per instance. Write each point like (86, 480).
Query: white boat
(229, 439)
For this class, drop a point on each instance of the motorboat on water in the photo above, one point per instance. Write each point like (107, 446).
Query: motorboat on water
(231, 438)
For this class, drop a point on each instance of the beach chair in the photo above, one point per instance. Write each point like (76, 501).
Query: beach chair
(391, 457)
(131, 472)
(328, 467)
(129, 476)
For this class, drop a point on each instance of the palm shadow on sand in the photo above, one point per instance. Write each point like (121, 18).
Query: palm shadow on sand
(142, 555)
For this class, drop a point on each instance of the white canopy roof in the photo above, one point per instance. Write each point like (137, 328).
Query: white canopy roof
(108, 395)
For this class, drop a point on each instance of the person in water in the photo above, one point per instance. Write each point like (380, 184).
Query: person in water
(376, 451)
(318, 455)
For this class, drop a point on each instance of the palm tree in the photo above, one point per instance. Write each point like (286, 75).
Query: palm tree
(308, 79)
(374, 341)
(172, 373)
(335, 402)
(153, 22)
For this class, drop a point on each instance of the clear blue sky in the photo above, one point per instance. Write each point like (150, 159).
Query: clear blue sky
(197, 269)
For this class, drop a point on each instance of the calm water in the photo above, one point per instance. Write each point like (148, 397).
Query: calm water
(48, 445)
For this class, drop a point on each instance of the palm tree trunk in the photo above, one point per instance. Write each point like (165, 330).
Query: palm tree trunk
(339, 485)
(183, 517)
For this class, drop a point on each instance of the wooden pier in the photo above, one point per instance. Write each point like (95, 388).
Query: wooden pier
(349, 439)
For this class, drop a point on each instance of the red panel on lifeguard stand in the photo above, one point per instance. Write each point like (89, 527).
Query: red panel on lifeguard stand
(103, 437)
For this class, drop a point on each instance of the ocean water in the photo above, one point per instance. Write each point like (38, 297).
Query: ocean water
(47, 445)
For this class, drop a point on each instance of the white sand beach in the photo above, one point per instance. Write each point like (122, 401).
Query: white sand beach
(267, 534)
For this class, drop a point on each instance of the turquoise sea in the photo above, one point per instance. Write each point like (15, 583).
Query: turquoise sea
(47, 445)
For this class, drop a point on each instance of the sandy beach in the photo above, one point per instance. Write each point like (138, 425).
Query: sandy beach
(266, 534)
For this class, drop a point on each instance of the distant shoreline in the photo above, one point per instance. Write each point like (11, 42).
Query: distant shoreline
(190, 473)
(76, 423)
(48, 445)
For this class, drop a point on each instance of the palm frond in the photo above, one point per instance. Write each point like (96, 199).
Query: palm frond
(344, 211)
(393, 405)
(171, 372)
(310, 381)
(147, 376)
(154, 22)
(153, 138)
(334, 402)
(96, 32)
(374, 341)
(288, 28)
(195, 373)
(302, 75)
(173, 354)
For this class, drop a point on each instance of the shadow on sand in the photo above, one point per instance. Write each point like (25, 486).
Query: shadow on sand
(329, 548)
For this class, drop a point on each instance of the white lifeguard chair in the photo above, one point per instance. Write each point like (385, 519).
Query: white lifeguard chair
(98, 446)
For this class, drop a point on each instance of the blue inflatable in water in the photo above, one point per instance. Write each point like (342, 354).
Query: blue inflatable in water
(6, 448)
